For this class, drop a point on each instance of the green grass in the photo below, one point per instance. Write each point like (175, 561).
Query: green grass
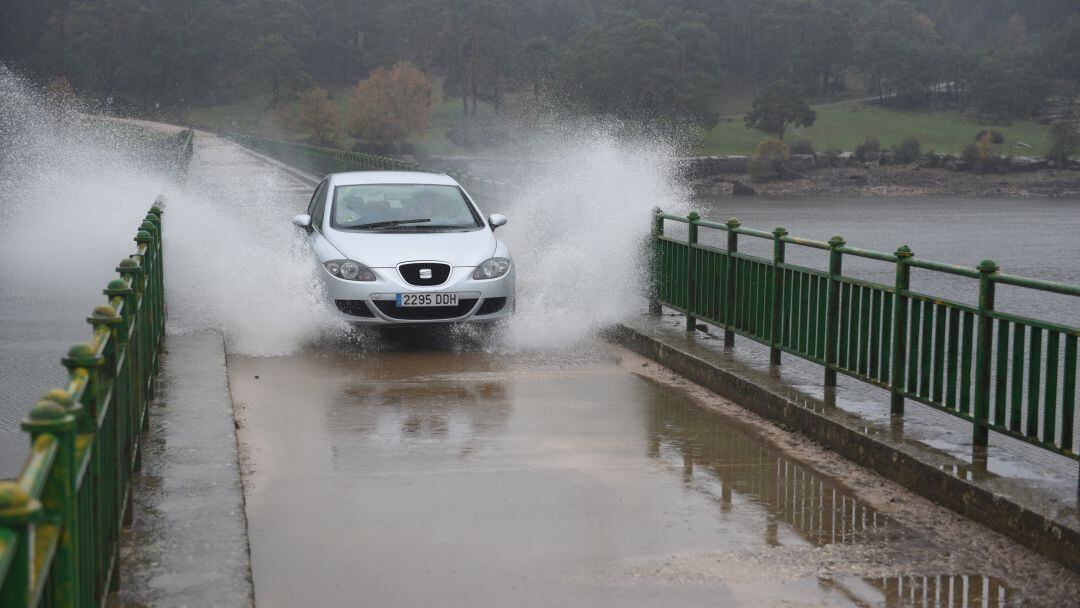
(843, 127)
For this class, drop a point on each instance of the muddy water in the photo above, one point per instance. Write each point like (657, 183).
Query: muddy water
(459, 475)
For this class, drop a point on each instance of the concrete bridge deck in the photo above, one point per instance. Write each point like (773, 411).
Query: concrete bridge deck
(398, 469)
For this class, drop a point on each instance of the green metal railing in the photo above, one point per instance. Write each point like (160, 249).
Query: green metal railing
(330, 160)
(1002, 372)
(60, 520)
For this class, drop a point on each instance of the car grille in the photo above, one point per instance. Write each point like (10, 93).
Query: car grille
(354, 308)
(411, 273)
(425, 313)
(491, 306)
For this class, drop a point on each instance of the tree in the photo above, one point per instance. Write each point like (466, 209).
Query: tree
(778, 105)
(316, 113)
(391, 106)
(632, 68)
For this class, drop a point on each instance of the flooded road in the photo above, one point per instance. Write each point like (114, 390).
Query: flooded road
(454, 474)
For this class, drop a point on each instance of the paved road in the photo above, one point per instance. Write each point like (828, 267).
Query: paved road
(449, 473)
(409, 469)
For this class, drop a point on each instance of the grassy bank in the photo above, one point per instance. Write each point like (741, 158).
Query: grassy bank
(838, 127)
(843, 127)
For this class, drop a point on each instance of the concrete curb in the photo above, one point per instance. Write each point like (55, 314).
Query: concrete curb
(909, 466)
(188, 543)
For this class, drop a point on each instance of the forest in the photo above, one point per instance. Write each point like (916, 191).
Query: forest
(647, 60)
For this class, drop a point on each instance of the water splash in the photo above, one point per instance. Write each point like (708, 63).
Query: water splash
(578, 227)
(235, 262)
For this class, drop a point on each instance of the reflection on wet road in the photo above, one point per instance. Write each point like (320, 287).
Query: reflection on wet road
(412, 476)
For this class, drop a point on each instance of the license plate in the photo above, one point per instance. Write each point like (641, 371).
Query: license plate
(410, 300)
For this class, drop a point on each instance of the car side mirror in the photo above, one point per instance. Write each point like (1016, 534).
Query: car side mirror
(302, 221)
(496, 219)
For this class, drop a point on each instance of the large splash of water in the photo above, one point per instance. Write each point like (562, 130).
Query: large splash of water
(578, 224)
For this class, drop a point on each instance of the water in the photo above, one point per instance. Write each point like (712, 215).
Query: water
(526, 478)
(1027, 237)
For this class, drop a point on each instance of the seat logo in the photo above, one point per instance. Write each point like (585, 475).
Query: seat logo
(425, 273)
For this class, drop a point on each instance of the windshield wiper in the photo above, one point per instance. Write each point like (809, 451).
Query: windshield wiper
(389, 224)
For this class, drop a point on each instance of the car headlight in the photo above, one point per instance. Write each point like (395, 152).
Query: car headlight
(491, 269)
(349, 270)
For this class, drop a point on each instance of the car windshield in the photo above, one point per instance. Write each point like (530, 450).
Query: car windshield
(402, 207)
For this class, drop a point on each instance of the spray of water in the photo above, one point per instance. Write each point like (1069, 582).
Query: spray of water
(578, 226)
(236, 263)
(73, 190)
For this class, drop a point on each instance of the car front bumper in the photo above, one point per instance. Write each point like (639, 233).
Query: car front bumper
(375, 302)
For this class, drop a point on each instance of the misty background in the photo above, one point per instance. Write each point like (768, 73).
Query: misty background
(291, 68)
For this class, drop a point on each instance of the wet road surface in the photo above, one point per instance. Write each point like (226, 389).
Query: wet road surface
(411, 472)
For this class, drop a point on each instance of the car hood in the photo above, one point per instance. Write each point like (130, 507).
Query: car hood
(387, 250)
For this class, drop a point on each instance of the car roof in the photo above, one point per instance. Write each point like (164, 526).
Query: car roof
(357, 178)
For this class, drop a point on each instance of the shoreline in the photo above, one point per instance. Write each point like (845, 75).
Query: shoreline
(902, 181)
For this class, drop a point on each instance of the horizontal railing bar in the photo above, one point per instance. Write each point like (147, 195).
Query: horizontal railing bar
(867, 253)
(795, 240)
(35, 473)
(674, 218)
(1029, 322)
(811, 271)
(865, 283)
(1039, 284)
(761, 234)
(922, 297)
(963, 271)
(714, 225)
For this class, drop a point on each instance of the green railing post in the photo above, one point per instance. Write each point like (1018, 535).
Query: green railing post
(778, 295)
(983, 341)
(729, 309)
(898, 355)
(832, 311)
(18, 512)
(691, 283)
(58, 495)
(655, 306)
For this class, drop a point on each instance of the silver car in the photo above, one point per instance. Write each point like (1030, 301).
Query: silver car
(401, 247)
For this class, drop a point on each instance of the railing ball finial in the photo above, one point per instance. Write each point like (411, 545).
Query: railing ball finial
(81, 355)
(904, 252)
(14, 501)
(47, 416)
(693, 216)
(779, 231)
(837, 241)
(59, 395)
(988, 266)
(733, 223)
(129, 263)
(103, 315)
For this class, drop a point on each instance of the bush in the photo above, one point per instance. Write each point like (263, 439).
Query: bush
(995, 137)
(869, 150)
(970, 152)
(769, 159)
(907, 151)
(803, 146)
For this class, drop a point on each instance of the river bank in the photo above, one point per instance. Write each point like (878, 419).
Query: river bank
(902, 180)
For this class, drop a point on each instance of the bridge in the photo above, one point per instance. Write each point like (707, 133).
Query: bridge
(772, 429)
